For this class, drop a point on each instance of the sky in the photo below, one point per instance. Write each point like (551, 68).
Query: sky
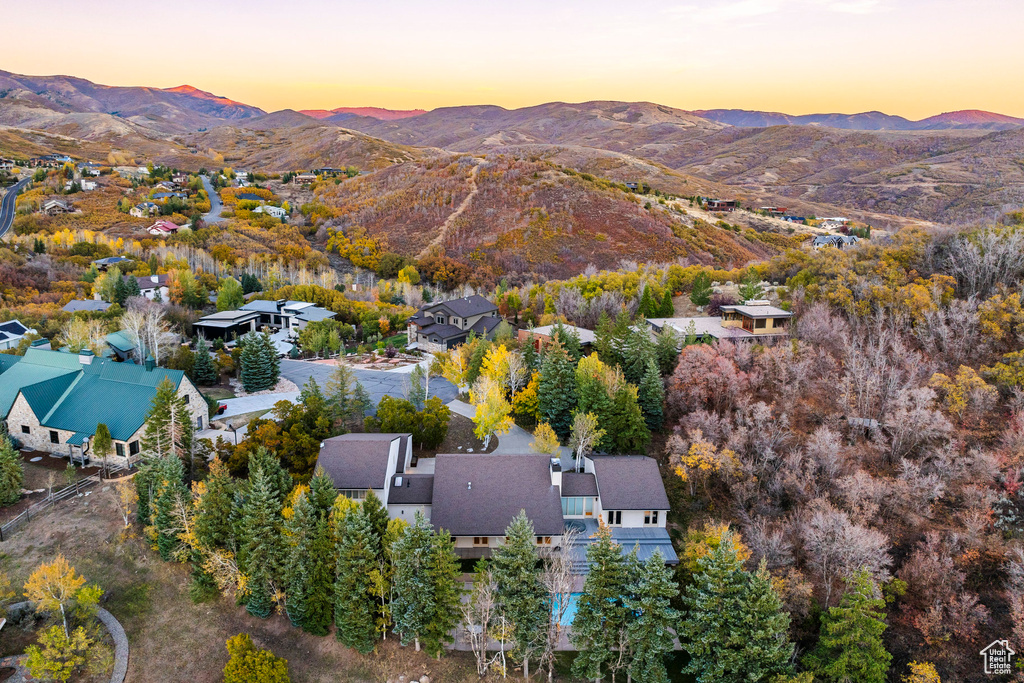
(913, 58)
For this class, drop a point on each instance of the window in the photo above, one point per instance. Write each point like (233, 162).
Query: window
(119, 449)
(54, 437)
(651, 517)
(25, 429)
(480, 540)
(760, 324)
(199, 422)
(543, 540)
(133, 448)
(186, 399)
(439, 319)
(353, 494)
(614, 517)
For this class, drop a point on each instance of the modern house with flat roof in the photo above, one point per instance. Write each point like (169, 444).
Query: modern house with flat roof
(543, 335)
(446, 324)
(475, 496)
(226, 325)
(52, 401)
(288, 315)
(742, 321)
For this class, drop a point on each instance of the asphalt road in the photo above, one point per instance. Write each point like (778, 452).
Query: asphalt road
(7, 205)
(215, 204)
(376, 382)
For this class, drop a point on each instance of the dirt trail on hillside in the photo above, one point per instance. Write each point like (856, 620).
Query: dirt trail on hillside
(439, 240)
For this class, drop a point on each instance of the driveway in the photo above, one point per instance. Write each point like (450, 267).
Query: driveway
(215, 204)
(7, 205)
(376, 382)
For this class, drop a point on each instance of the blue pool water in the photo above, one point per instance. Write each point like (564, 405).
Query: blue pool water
(570, 610)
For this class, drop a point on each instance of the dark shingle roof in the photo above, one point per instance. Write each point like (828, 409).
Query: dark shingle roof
(465, 307)
(484, 326)
(501, 486)
(85, 305)
(630, 482)
(358, 461)
(416, 489)
(578, 484)
(443, 331)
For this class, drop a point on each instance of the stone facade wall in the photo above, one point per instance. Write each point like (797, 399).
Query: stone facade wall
(196, 403)
(38, 438)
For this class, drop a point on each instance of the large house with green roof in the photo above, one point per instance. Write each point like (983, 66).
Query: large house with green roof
(52, 401)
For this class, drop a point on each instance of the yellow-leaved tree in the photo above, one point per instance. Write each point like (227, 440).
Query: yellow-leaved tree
(922, 672)
(964, 393)
(493, 412)
(703, 542)
(697, 462)
(545, 440)
(57, 586)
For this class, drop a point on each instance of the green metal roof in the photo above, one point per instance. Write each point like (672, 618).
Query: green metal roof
(64, 394)
(77, 439)
(120, 341)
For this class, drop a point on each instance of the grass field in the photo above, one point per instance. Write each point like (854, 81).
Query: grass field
(173, 639)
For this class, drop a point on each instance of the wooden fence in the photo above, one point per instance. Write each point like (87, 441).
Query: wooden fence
(38, 508)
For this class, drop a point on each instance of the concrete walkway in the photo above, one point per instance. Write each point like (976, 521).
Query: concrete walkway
(515, 442)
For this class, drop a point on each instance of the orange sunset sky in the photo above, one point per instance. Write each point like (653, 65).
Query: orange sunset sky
(914, 58)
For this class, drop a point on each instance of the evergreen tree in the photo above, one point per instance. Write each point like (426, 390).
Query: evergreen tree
(131, 288)
(476, 359)
(600, 612)
(377, 514)
(300, 531)
(650, 639)
(620, 333)
(443, 573)
(168, 493)
(260, 552)
(734, 628)
(276, 474)
(646, 305)
(569, 339)
(651, 396)
(519, 591)
(204, 371)
(626, 425)
(667, 309)
(556, 393)
(260, 366)
(751, 287)
(530, 357)
(411, 608)
(121, 290)
(604, 335)
(12, 472)
(354, 606)
(666, 349)
(851, 648)
(639, 349)
(321, 561)
(700, 294)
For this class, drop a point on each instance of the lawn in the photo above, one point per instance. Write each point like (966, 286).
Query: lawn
(218, 393)
(173, 639)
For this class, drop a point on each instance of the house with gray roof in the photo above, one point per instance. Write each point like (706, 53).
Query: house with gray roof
(446, 324)
(475, 496)
(747, 321)
(85, 305)
(12, 332)
(284, 314)
(52, 401)
(226, 325)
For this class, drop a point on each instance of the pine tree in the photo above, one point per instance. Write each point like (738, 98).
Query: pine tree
(411, 607)
(604, 335)
(734, 628)
(700, 294)
(650, 639)
(204, 371)
(260, 552)
(646, 305)
(651, 396)
(626, 426)
(520, 593)
(443, 573)
(131, 287)
(530, 357)
(300, 531)
(639, 349)
(354, 606)
(376, 513)
(569, 339)
(620, 333)
(556, 394)
(12, 472)
(667, 309)
(168, 493)
(271, 358)
(276, 474)
(751, 287)
(666, 349)
(851, 648)
(255, 369)
(600, 612)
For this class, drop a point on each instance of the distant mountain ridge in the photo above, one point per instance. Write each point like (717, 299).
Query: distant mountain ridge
(374, 112)
(872, 120)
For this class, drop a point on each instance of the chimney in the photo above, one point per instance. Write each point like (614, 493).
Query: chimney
(154, 278)
(150, 363)
(85, 357)
(555, 468)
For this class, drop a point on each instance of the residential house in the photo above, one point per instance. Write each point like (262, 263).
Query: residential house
(163, 228)
(475, 496)
(180, 179)
(7, 164)
(793, 219)
(721, 205)
(84, 184)
(52, 401)
(55, 207)
(774, 210)
(226, 325)
(305, 178)
(164, 196)
(50, 161)
(273, 211)
(136, 172)
(287, 315)
(85, 305)
(104, 263)
(166, 186)
(144, 210)
(249, 196)
(89, 168)
(11, 334)
(120, 345)
(446, 324)
(150, 286)
(743, 321)
(834, 241)
(542, 336)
